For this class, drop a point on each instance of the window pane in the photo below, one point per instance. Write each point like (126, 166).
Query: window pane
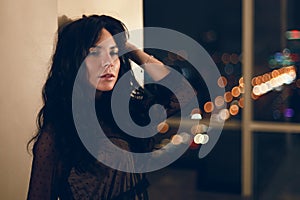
(215, 25)
(276, 53)
(276, 166)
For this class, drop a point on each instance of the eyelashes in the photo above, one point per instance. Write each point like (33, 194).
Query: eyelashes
(99, 51)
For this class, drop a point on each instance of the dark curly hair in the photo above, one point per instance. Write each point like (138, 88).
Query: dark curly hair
(73, 42)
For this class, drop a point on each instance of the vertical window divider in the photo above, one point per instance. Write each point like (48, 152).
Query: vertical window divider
(247, 115)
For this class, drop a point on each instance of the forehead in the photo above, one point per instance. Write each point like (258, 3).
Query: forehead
(105, 38)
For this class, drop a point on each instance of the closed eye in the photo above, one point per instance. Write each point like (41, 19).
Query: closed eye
(114, 51)
(95, 51)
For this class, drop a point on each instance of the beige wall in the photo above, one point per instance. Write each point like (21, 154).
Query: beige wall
(27, 29)
(27, 33)
(129, 11)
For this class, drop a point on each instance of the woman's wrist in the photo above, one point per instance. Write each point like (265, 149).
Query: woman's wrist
(139, 56)
(156, 69)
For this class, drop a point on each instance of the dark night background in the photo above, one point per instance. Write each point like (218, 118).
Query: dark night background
(217, 26)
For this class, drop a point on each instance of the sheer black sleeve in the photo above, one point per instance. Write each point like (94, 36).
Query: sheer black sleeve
(177, 99)
(43, 173)
(172, 100)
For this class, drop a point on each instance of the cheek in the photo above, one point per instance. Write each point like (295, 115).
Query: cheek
(91, 72)
(117, 66)
(89, 68)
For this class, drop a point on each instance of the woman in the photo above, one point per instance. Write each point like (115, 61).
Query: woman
(62, 167)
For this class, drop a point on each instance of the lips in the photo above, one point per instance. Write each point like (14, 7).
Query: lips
(107, 76)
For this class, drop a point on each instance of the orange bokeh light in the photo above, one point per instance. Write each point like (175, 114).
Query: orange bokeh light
(234, 58)
(241, 102)
(208, 107)
(234, 109)
(225, 58)
(162, 127)
(196, 111)
(228, 97)
(222, 81)
(253, 81)
(254, 97)
(275, 73)
(266, 77)
(241, 81)
(235, 91)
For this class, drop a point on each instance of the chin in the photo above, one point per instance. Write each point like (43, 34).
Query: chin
(105, 89)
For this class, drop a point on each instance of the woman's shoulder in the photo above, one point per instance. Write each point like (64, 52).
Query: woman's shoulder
(45, 141)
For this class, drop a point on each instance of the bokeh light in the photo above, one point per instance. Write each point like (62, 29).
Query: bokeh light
(234, 58)
(185, 137)
(219, 101)
(235, 92)
(222, 82)
(196, 111)
(228, 97)
(225, 58)
(224, 114)
(241, 102)
(196, 116)
(163, 127)
(234, 109)
(208, 107)
(198, 128)
(176, 139)
(201, 138)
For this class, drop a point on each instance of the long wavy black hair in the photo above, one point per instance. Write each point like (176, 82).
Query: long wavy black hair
(73, 42)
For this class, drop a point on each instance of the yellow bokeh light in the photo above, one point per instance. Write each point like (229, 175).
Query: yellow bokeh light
(256, 90)
(201, 138)
(224, 114)
(177, 139)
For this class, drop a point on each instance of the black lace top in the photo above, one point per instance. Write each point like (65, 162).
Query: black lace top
(53, 178)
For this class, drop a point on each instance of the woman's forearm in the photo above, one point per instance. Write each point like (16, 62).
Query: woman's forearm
(155, 68)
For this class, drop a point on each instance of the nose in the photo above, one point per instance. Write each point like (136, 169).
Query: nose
(107, 60)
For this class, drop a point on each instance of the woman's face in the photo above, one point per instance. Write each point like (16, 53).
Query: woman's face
(103, 63)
